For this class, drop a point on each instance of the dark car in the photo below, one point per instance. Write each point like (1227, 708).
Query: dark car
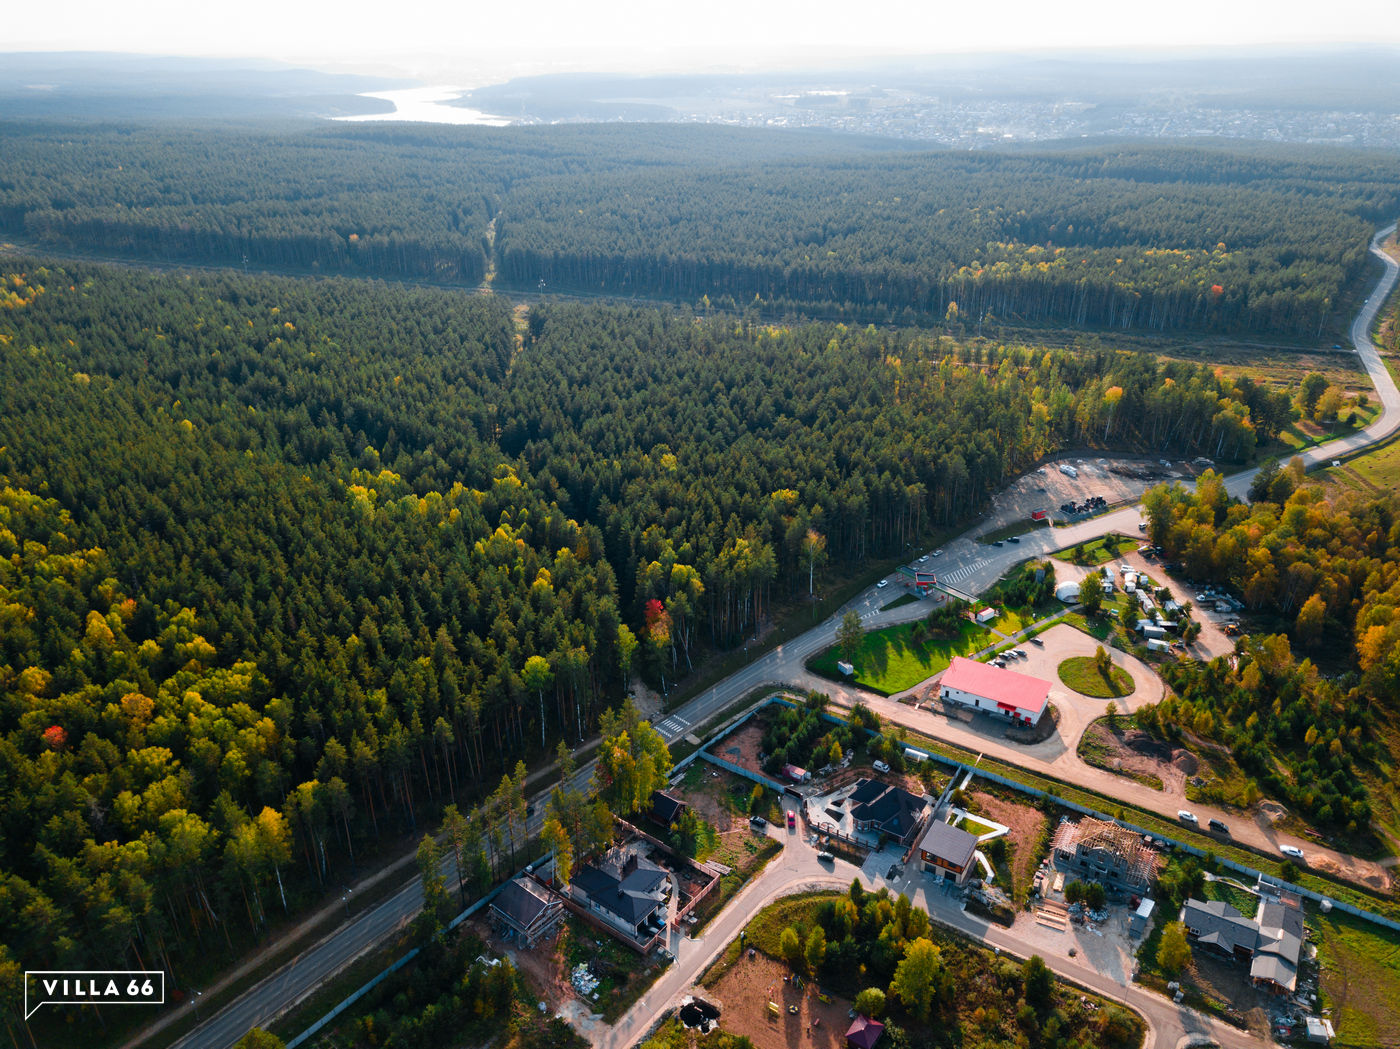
(1014, 539)
(998, 543)
(1218, 827)
(757, 822)
(1037, 641)
(893, 872)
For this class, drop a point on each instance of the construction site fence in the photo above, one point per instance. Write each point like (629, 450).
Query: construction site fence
(394, 967)
(1239, 868)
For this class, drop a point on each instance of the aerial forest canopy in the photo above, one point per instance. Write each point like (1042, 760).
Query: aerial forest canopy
(1330, 568)
(275, 553)
(1213, 238)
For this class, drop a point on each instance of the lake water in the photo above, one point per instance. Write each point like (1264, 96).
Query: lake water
(425, 104)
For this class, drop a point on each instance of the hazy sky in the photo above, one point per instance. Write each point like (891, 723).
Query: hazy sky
(412, 35)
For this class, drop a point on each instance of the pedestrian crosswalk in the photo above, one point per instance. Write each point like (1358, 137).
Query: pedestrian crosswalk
(673, 726)
(959, 574)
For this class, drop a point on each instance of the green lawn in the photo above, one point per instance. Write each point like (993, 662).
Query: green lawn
(891, 660)
(1082, 674)
(1360, 978)
(1306, 434)
(1380, 468)
(1097, 551)
(1011, 621)
(975, 826)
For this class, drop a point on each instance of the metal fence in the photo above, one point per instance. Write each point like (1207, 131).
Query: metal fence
(374, 982)
(739, 770)
(1347, 908)
(1317, 897)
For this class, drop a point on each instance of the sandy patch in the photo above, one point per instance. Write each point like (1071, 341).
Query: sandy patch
(1133, 751)
(743, 996)
(743, 746)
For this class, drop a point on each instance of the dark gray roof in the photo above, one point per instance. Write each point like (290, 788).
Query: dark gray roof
(522, 901)
(866, 790)
(893, 809)
(627, 886)
(948, 843)
(1220, 925)
(1280, 943)
(665, 807)
(1274, 914)
(1274, 936)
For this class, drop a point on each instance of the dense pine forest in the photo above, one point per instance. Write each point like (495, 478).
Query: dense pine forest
(1244, 238)
(277, 552)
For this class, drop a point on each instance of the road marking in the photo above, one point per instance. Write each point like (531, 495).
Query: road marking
(960, 574)
(673, 726)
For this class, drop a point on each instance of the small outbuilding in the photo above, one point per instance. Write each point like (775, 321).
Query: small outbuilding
(1142, 917)
(665, 808)
(1320, 1030)
(864, 1033)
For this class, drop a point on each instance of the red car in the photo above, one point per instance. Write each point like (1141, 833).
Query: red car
(792, 821)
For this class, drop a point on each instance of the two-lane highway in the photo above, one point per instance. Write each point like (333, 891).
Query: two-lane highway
(975, 567)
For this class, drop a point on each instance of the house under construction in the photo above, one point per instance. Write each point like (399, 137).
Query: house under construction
(1102, 851)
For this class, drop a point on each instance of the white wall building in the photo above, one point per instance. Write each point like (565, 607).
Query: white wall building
(1017, 697)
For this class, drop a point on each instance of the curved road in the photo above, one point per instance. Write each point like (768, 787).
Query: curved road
(274, 995)
(797, 869)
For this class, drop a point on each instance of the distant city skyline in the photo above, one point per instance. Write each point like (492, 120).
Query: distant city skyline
(427, 38)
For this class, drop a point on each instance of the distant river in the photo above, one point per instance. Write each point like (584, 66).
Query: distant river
(425, 104)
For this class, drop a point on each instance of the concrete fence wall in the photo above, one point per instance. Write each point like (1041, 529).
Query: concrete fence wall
(1317, 897)
(375, 981)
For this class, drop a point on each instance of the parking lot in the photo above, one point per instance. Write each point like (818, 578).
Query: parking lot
(1113, 481)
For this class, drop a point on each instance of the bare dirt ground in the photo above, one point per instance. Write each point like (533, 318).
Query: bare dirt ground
(543, 964)
(743, 996)
(1025, 823)
(708, 791)
(1229, 982)
(1131, 751)
(743, 747)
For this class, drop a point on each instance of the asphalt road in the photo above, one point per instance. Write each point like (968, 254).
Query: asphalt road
(985, 565)
(797, 869)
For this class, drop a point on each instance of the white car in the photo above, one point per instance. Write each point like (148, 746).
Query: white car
(937, 553)
(1291, 851)
(882, 584)
(881, 766)
(1187, 817)
(922, 559)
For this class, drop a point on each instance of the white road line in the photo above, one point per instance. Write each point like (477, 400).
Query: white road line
(672, 726)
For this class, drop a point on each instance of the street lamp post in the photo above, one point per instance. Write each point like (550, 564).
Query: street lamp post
(194, 1001)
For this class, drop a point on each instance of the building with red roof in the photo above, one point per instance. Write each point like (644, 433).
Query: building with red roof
(981, 686)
